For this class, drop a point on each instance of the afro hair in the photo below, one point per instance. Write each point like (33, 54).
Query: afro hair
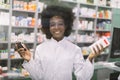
(53, 10)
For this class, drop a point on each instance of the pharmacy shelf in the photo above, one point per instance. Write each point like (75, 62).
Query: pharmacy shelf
(16, 59)
(104, 19)
(4, 25)
(85, 30)
(3, 42)
(25, 11)
(25, 42)
(89, 4)
(70, 1)
(23, 27)
(6, 9)
(103, 30)
(11, 58)
(87, 17)
(4, 30)
(107, 7)
(8, 44)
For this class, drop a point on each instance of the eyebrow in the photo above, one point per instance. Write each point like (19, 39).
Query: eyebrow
(57, 21)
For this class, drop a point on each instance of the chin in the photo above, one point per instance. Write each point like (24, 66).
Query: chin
(58, 38)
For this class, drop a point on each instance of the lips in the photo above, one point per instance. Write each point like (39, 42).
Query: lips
(57, 32)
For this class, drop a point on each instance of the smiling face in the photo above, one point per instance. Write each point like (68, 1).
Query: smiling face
(57, 28)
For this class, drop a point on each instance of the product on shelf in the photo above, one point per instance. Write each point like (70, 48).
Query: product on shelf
(88, 12)
(3, 54)
(5, 16)
(4, 4)
(27, 6)
(104, 14)
(85, 38)
(23, 21)
(103, 25)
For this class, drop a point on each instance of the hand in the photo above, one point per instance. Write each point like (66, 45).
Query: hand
(23, 52)
(96, 52)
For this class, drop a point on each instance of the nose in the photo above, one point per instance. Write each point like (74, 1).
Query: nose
(56, 25)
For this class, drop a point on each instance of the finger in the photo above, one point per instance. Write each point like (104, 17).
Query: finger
(102, 48)
(16, 45)
(21, 50)
(25, 48)
(94, 50)
(21, 55)
(98, 49)
(16, 48)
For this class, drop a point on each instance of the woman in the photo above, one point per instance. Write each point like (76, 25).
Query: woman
(57, 58)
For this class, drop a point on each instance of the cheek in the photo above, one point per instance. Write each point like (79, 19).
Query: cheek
(59, 28)
(64, 29)
(51, 29)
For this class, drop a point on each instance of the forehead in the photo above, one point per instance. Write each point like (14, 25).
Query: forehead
(56, 18)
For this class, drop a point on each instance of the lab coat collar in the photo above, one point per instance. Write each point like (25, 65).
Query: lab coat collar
(52, 39)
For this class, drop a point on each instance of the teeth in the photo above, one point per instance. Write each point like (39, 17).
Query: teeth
(57, 32)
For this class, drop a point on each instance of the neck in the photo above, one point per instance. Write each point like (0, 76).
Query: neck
(58, 39)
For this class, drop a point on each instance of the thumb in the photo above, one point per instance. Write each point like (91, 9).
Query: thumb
(24, 46)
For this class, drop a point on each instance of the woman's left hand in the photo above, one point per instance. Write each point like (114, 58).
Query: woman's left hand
(96, 52)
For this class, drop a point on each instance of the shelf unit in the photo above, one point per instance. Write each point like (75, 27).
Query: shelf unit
(4, 31)
(21, 23)
(91, 22)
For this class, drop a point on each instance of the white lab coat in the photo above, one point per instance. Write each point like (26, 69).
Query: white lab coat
(57, 60)
(119, 77)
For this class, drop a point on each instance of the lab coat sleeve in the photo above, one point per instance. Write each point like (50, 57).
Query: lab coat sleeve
(34, 67)
(119, 77)
(83, 69)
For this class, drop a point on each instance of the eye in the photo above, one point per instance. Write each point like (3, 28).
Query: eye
(52, 24)
(61, 24)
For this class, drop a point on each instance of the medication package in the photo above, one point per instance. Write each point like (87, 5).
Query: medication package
(103, 41)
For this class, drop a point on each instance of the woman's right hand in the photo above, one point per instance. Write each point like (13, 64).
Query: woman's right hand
(23, 52)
